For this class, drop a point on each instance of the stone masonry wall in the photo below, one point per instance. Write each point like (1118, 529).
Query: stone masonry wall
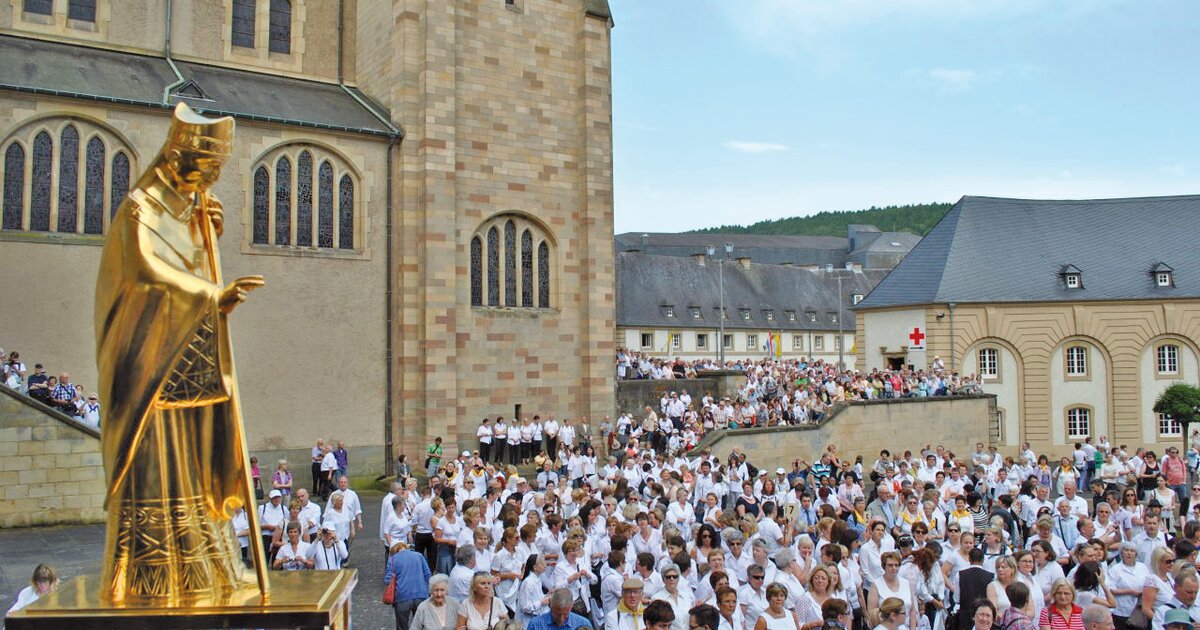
(50, 466)
(864, 428)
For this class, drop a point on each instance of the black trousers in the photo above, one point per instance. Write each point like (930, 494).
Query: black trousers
(485, 451)
(423, 544)
(552, 446)
(316, 477)
(497, 451)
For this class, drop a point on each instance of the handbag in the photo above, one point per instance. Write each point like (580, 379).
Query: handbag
(389, 593)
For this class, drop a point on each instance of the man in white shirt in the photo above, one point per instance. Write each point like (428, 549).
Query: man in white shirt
(350, 502)
(310, 513)
(1032, 507)
(1079, 506)
(484, 434)
(328, 472)
(550, 428)
(1150, 539)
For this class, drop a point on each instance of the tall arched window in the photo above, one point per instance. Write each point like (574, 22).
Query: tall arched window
(476, 271)
(304, 195)
(346, 213)
(543, 275)
(283, 201)
(93, 190)
(280, 39)
(510, 263)
(493, 266)
(43, 160)
(14, 186)
(58, 175)
(325, 205)
(262, 207)
(120, 182)
(328, 193)
(526, 268)
(514, 279)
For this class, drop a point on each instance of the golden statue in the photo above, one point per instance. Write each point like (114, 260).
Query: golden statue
(174, 445)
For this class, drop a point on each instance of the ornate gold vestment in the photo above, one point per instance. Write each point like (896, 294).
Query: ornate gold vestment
(173, 443)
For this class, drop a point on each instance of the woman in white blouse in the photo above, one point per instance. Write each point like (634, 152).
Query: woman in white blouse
(507, 568)
(532, 599)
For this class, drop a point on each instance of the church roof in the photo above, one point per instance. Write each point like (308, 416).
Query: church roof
(74, 71)
(989, 249)
(647, 284)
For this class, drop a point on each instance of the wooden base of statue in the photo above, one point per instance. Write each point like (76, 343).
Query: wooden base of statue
(299, 599)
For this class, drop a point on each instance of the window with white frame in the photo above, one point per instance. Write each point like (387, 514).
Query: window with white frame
(791, 315)
(1163, 278)
(770, 315)
(797, 342)
(727, 342)
(694, 311)
(1072, 280)
(1168, 426)
(856, 298)
(745, 312)
(647, 340)
(752, 342)
(1079, 423)
(701, 341)
(676, 341)
(812, 315)
(668, 311)
(1077, 361)
(837, 342)
(833, 316)
(1168, 359)
(989, 363)
(819, 343)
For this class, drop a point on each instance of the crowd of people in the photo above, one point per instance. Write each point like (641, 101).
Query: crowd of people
(57, 392)
(659, 535)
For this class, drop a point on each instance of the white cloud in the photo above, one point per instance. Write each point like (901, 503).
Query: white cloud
(1178, 170)
(755, 147)
(954, 79)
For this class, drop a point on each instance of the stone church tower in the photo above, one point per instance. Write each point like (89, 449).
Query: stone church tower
(425, 184)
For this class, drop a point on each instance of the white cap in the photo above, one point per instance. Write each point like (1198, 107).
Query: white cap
(466, 453)
(780, 471)
(275, 493)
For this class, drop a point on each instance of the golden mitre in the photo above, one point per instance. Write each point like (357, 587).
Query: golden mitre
(194, 133)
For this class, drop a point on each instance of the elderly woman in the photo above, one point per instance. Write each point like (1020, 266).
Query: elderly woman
(439, 612)
(43, 581)
(1006, 575)
(1126, 580)
(1062, 613)
(293, 555)
(482, 610)
(340, 518)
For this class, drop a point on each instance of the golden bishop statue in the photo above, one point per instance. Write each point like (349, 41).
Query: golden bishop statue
(174, 446)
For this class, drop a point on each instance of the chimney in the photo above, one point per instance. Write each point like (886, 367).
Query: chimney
(828, 267)
(744, 261)
(701, 258)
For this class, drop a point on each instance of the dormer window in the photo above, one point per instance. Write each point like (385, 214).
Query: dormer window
(1164, 275)
(856, 298)
(770, 315)
(791, 315)
(694, 311)
(745, 312)
(812, 315)
(833, 317)
(668, 311)
(1072, 277)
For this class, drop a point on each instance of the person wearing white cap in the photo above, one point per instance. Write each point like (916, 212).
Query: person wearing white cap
(272, 515)
(327, 552)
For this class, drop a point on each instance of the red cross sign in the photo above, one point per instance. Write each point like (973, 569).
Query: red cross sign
(918, 338)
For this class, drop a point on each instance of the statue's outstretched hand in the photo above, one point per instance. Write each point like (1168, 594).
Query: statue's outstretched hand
(237, 290)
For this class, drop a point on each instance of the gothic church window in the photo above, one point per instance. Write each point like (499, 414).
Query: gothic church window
(82, 10)
(14, 186)
(304, 189)
(308, 180)
(59, 176)
(41, 7)
(242, 30)
(93, 188)
(280, 37)
(517, 266)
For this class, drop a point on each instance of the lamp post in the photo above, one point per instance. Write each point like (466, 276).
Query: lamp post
(712, 251)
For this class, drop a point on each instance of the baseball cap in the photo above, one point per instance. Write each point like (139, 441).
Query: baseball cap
(466, 453)
(780, 471)
(275, 493)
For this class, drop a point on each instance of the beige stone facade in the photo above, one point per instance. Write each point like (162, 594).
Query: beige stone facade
(505, 111)
(1117, 382)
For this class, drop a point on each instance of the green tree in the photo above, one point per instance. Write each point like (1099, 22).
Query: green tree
(1181, 402)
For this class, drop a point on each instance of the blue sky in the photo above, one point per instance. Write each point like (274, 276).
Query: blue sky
(736, 111)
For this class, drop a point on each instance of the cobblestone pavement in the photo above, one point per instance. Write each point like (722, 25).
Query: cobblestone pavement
(77, 550)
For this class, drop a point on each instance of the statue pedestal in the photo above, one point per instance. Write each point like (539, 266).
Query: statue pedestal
(298, 599)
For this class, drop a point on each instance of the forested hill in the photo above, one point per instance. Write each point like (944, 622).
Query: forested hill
(915, 218)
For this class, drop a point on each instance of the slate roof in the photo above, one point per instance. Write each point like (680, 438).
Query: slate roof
(74, 71)
(886, 242)
(761, 248)
(646, 283)
(992, 250)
